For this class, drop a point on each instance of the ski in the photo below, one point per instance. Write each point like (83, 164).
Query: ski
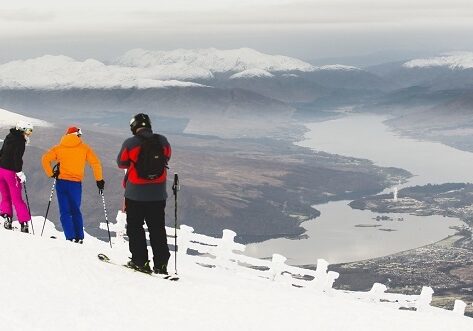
(106, 259)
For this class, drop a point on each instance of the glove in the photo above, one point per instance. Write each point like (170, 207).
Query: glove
(101, 185)
(21, 176)
(55, 172)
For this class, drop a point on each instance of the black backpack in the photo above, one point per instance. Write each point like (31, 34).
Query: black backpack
(151, 161)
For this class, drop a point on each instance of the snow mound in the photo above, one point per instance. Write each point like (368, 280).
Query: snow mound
(8, 118)
(212, 60)
(62, 72)
(455, 60)
(252, 73)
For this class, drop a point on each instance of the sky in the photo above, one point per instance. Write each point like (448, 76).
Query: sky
(308, 30)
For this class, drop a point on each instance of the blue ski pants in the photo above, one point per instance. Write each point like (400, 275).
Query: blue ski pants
(69, 195)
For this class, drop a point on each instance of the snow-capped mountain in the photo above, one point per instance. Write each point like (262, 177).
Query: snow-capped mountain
(454, 60)
(143, 69)
(443, 72)
(185, 84)
(277, 77)
(212, 60)
(61, 72)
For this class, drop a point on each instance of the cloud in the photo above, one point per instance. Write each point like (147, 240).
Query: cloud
(318, 12)
(92, 27)
(181, 15)
(26, 15)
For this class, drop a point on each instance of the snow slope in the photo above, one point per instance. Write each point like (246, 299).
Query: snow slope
(8, 118)
(52, 284)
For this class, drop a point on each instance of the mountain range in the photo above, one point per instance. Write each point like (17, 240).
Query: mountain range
(236, 93)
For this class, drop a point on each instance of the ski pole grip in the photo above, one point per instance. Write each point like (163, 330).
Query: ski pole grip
(56, 170)
(175, 186)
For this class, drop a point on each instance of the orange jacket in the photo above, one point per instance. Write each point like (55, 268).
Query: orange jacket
(72, 154)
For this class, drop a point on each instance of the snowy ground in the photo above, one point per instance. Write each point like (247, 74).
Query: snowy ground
(51, 284)
(7, 118)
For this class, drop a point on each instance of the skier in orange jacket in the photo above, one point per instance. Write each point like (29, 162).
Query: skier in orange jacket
(72, 154)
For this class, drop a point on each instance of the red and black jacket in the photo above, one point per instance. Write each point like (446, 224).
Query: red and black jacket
(137, 188)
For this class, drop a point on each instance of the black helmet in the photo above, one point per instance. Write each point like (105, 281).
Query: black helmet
(140, 121)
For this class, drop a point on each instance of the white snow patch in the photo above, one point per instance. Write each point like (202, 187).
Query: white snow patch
(251, 73)
(8, 118)
(338, 67)
(454, 60)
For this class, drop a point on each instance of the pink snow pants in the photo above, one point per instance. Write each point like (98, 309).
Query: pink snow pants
(10, 188)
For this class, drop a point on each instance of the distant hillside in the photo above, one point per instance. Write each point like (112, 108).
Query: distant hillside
(113, 107)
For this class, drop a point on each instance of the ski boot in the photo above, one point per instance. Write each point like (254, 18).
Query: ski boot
(161, 269)
(144, 268)
(24, 227)
(79, 241)
(8, 222)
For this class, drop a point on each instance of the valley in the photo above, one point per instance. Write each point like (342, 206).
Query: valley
(232, 118)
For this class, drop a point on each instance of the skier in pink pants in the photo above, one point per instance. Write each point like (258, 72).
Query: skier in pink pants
(12, 176)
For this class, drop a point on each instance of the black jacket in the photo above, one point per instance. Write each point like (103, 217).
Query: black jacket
(11, 154)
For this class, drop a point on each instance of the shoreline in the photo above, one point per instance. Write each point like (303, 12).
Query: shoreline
(283, 247)
(443, 265)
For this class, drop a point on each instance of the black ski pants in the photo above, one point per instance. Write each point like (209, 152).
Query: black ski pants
(137, 212)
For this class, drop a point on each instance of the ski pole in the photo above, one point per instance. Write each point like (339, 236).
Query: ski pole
(175, 188)
(55, 176)
(49, 204)
(106, 218)
(28, 204)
